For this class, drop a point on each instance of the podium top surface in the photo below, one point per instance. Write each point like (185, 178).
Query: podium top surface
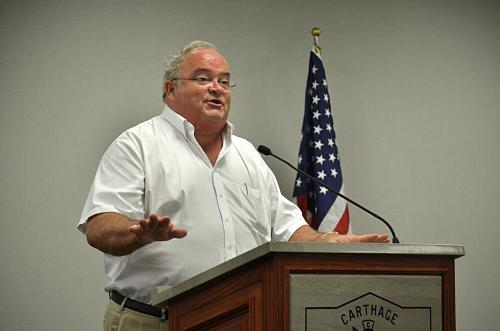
(165, 293)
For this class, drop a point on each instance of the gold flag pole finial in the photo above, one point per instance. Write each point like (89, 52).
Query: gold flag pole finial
(315, 33)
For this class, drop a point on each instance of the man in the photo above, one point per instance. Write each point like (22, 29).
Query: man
(184, 176)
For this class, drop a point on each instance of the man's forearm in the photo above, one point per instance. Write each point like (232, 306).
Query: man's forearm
(305, 233)
(109, 233)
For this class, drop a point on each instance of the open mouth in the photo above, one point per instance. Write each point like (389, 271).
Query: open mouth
(215, 102)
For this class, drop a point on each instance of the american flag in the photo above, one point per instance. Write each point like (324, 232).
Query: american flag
(319, 157)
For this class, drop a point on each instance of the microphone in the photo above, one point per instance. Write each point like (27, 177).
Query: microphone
(267, 151)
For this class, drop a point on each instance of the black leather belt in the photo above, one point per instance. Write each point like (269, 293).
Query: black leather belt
(139, 306)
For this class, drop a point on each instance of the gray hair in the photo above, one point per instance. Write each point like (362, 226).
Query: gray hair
(173, 62)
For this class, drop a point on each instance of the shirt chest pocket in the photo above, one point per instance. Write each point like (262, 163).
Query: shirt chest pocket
(249, 191)
(249, 207)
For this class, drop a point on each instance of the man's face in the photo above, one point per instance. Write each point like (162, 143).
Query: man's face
(205, 105)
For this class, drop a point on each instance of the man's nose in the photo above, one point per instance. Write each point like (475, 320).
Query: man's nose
(216, 86)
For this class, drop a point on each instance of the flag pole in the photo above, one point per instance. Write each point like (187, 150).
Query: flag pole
(315, 33)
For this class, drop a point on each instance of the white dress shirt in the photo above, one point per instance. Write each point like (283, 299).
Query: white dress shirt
(158, 167)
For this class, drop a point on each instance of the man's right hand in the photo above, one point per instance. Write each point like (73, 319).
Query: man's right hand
(115, 234)
(155, 228)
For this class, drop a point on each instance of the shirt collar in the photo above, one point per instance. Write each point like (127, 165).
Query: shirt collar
(187, 129)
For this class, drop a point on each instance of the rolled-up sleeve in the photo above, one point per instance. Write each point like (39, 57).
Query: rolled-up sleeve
(119, 182)
(286, 216)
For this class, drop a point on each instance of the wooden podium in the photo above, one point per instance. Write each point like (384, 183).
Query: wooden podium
(318, 286)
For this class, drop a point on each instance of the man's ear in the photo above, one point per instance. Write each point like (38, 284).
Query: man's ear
(169, 87)
(168, 91)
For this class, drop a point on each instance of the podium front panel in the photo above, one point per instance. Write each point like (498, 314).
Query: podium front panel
(365, 302)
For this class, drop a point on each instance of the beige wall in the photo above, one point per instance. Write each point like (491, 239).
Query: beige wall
(416, 90)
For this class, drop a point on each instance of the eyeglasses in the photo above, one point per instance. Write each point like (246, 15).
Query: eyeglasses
(204, 80)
